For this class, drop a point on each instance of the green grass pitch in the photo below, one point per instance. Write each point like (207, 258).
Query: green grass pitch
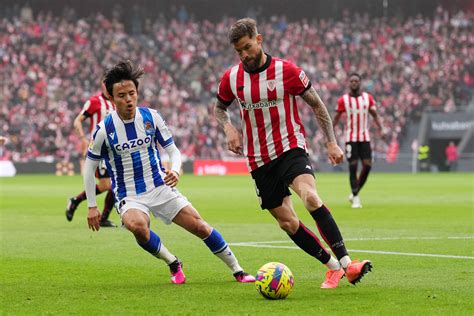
(417, 230)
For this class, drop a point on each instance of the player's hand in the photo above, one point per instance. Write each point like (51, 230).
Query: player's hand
(84, 145)
(93, 218)
(335, 153)
(171, 178)
(234, 139)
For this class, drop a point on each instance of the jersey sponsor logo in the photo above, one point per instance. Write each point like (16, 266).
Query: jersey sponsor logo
(271, 85)
(259, 105)
(133, 145)
(304, 79)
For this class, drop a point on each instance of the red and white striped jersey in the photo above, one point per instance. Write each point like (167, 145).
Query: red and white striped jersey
(270, 121)
(357, 110)
(96, 109)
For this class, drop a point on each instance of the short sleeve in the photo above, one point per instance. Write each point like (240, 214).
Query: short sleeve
(96, 146)
(340, 105)
(372, 103)
(162, 132)
(224, 92)
(295, 79)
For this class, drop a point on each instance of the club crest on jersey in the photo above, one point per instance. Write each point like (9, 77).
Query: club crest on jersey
(304, 79)
(271, 85)
(149, 130)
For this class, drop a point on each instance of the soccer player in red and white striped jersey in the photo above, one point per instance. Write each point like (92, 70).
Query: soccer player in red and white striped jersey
(95, 109)
(273, 141)
(357, 106)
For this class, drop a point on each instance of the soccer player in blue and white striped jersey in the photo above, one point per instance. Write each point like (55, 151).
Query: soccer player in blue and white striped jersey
(127, 140)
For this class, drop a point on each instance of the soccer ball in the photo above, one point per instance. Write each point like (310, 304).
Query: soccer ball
(274, 281)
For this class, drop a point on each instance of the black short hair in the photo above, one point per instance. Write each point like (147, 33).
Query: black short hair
(355, 74)
(124, 70)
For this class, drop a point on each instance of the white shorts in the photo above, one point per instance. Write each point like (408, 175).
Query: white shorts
(163, 202)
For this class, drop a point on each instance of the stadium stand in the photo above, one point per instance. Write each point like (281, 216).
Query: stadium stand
(50, 64)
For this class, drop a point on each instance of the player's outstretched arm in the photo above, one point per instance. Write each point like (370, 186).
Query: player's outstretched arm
(234, 139)
(324, 120)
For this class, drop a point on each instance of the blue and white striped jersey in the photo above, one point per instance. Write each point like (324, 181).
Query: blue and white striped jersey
(130, 151)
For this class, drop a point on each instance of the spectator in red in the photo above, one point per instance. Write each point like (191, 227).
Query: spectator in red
(451, 153)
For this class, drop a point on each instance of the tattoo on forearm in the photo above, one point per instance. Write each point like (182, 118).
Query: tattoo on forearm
(322, 115)
(221, 114)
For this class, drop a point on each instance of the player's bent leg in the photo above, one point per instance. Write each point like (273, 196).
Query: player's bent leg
(305, 188)
(137, 222)
(286, 216)
(298, 232)
(189, 219)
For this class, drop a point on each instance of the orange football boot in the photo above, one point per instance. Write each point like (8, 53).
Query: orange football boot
(332, 279)
(356, 270)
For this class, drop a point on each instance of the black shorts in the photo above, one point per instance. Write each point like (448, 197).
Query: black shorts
(273, 179)
(358, 150)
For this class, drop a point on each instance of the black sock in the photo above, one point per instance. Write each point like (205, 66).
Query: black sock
(363, 176)
(329, 231)
(353, 177)
(80, 197)
(108, 205)
(306, 240)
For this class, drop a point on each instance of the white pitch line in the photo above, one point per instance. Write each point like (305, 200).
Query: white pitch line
(261, 244)
(370, 239)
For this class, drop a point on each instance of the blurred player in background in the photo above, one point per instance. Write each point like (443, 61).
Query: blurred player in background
(358, 105)
(128, 141)
(95, 109)
(275, 146)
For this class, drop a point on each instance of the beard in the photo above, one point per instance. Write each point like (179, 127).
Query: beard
(254, 63)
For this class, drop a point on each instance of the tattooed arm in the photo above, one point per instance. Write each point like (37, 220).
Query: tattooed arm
(234, 138)
(324, 120)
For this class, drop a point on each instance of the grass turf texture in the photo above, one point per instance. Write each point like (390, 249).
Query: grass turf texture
(51, 266)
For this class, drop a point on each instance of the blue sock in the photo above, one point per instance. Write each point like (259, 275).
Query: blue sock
(215, 242)
(153, 245)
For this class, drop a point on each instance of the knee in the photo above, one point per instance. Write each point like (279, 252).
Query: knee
(200, 229)
(312, 201)
(138, 227)
(367, 165)
(289, 225)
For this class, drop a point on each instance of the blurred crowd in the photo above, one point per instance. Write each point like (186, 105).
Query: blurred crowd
(51, 64)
